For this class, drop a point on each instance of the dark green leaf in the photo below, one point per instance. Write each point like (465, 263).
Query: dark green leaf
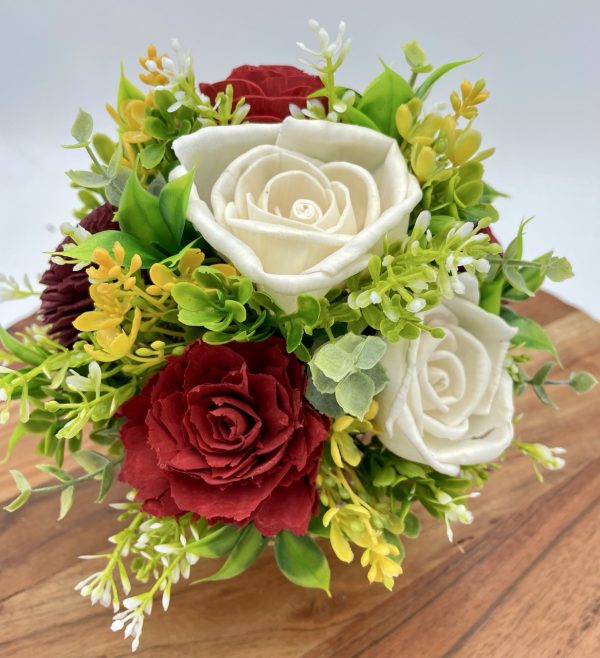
(248, 547)
(139, 215)
(293, 335)
(217, 543)
(301, 561)
(108, 475)
(173, 201)
(412, 526)
(309, 309)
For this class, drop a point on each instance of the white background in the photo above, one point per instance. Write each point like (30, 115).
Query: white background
(541, 60)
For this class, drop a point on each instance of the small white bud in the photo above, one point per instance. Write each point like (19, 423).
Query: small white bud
(417, 305)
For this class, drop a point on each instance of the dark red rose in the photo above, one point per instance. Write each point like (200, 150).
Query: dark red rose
(66, 294)
(225, 432)
(268, 89)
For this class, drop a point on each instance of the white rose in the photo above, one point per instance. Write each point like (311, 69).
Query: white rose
(449, 401)
(297, 207)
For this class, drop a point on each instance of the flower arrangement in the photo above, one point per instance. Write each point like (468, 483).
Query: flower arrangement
(283, 320)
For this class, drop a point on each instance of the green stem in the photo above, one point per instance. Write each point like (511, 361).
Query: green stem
(83, 478)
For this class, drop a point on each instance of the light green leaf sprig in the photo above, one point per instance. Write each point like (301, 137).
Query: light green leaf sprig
(347, 374)
(415, 274)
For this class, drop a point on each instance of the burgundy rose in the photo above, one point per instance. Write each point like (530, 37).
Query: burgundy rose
(268, 89)
(66, 295)
(226, 433)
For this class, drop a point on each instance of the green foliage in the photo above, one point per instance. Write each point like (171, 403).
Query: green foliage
(579, 382)
(415, 274)
(346, 375)
(530, 334)
(222, 306)
(381, 99)
(83, 252)
(249, 545)
(301, 561)
(156, 222)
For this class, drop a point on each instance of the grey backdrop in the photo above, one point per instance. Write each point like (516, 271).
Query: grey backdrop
(540, 59)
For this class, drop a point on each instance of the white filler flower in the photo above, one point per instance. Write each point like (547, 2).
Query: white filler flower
(297, 207)
(449, 401)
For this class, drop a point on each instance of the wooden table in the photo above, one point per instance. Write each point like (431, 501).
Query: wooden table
(526, 586)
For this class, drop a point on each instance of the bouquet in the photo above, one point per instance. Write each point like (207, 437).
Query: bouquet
(282, 320)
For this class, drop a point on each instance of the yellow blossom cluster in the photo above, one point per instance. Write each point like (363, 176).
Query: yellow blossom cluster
(433, 141)
(130, 117)
(127, 323)
(353, 516)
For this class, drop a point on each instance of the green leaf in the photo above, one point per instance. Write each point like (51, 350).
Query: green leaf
(309, 309)
(55, 472)
(140, 216)
(91, 461)
(26, 354)
(382, 97)
(152, 155)
(301, 561)
(357, 118)
(412, 526)
(106, 240)
(173, 201)
(66, 501)
(371, 352)
(127, 91)
(217, 543)
(355, 393)
(82, 127)
(19, 501)
(20, 480)
(248, 547)
(490, 298)
(559, 269)
(529, 333)
(108, 475)
(293, 335)
(88, 179)
(433, 77)
(516, 280)
(582, 382)
(16, 435)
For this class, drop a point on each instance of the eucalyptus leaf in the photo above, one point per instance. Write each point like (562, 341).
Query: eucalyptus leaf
(355, 393)
(88, 179)
(301, 561)
(82, 127)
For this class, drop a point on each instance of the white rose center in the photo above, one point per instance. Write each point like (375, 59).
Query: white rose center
(305, 210)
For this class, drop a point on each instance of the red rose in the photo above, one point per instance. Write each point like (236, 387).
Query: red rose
(225, 432)
(268, 89)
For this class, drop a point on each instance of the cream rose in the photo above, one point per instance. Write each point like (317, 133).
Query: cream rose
(298, 207)
(449, 401)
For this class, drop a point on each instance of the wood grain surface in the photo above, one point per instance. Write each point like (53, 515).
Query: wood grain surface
(523, 580)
